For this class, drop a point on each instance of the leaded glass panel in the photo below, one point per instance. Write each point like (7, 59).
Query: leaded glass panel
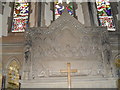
(20, 16)
(104, 14)
(59, 9)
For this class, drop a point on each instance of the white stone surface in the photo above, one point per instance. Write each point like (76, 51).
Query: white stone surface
(48, 14)
(55, 82)
(0, 25)
(79, 13)
(0, 19)
(119, 10)
(32, 15)
(6, 14)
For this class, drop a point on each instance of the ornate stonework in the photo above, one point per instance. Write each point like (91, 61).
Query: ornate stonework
(48, 49)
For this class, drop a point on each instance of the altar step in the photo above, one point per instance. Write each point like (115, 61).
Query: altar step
(77, 82)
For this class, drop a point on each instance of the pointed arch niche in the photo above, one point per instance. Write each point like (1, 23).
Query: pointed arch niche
(13, 74)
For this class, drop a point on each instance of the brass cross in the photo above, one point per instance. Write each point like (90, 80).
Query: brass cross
(69, 71)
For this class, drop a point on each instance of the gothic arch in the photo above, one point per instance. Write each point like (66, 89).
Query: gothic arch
(10, 60)
(13, 69)
(117, 56)
(117, 59)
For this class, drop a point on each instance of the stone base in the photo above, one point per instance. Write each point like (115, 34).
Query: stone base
(77, 82)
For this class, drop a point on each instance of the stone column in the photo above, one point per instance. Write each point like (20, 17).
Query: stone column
(33, 21)
(0, 42)
(48, 14)
(5, 16)
(1, 18)
(93, 14)
(119, 39)
(39, 14)
(32, 15)
(0, 63)
(79, 13)
(42, 14)
(115, 13)
(119, 16)
(86, 14)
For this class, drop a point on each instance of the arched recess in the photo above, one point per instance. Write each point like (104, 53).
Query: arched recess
(13, 73)
(117, 60)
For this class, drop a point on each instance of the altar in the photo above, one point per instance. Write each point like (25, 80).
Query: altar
(49, 49)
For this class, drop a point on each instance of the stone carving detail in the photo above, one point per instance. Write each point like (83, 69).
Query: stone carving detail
(86, 48)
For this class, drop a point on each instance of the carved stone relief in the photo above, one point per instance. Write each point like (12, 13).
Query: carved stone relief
(64, 41)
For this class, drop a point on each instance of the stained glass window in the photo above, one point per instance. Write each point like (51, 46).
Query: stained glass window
(59, 8)
(104, 14)
(20, 17)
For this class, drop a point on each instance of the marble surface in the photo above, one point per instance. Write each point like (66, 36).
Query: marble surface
(77, 82)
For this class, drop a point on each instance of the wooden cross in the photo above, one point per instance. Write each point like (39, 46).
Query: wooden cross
(69, 71)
